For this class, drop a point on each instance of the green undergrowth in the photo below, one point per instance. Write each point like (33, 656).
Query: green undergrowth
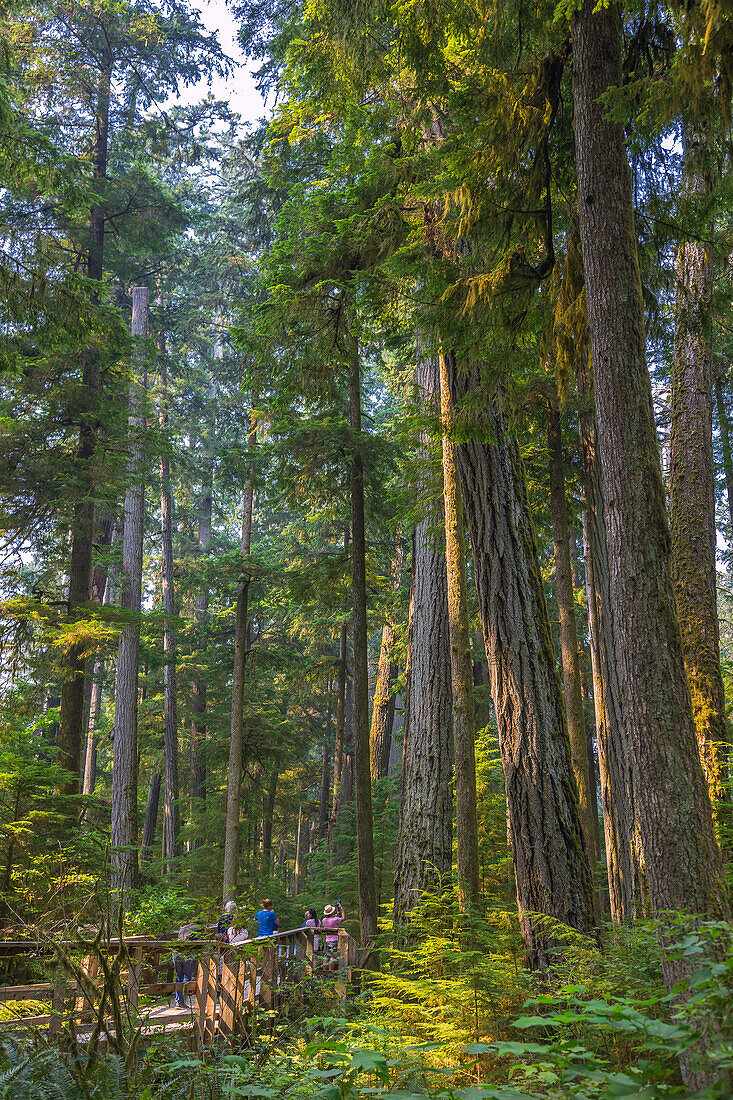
(453, 1015)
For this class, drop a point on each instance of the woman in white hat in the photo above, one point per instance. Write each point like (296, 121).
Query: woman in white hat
(332, 918)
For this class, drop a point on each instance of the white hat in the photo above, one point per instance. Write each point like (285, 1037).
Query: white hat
(230, 907)
(328, 910)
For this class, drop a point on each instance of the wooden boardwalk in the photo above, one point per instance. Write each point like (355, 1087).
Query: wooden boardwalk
(108, 991)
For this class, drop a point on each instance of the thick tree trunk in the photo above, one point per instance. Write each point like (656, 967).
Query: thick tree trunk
(425, 835)
(624, 857)
(362, 776)
(568, 631)
(125, 758)
(71, 721)
(383, 704)
(151, 816)
(682, 858)
(550, 860)
(692, 512)
(170, 694)
(234, 778)
(464, 729)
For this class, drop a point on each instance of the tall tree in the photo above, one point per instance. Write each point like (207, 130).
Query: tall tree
(362, 774)
(425, 836)
(552, 877)
(692, 497)
(464, 730)
(383, 704)
(682, 858)
(125, 753)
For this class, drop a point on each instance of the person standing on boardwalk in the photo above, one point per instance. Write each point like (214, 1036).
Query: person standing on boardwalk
(267, 922)
(332, 918)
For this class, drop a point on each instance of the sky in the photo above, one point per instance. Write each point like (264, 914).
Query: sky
(239, 89)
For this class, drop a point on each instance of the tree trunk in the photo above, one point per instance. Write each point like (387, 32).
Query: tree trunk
(550, 860)
(464, 729)
(568, 630)
(151, 816)
(693, 496)
(383, 704)
(362, 776)
(234, 778)
(105, 592)
(71, 721)
(170, 694)
(125, 758)
(425, 834)
(724, 428)
(267, 816)
(682, 858)
(201, 612)
(325, 769)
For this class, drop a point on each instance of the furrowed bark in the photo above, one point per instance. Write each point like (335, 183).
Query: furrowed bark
(383, 704)
(552, 875)
(425, 835)
(125, 755)
(464, 729)
(724, 428)
(683, 862)
(568, 631)
(151, 817)
(692, 506)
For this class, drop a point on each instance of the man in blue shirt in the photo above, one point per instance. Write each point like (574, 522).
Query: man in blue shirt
(267, 922)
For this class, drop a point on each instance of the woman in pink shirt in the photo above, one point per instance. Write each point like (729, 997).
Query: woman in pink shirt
(332, 918)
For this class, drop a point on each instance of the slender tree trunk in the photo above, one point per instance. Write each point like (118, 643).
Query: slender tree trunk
(125, 755)
(682, 858)
(269, 813)
(201, 611)
(464, 729)
(105, 593)
(71, 721)
(481, 681)
(151, 816)
(362, 776)
(234, 779)
(170, 694)
(325, 769)
(338, 752)
(724, 427)
(568, 630)
(425, 835)
(552, 877)
(298, 852)
(693, 496)
(383, 704)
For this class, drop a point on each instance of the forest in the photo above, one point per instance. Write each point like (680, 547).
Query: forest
(366, 550)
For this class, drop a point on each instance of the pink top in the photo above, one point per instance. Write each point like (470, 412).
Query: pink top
(331, 923)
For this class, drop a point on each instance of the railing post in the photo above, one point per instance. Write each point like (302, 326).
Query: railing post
(268, 981)
(231, 995)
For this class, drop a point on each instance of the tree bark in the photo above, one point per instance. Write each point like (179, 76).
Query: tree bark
(425, 835)
(682, 858)
(323, 807)
(383, 704)
(464, 729)
(234, 779)
(724, 428)
(550, 861)
(105, 591)
(568, 631)
(201, 612)
(151, 816)
(362, 776)
(338, 751)
(71, 720)
(125, 758)
(269, 813)
(692, 511)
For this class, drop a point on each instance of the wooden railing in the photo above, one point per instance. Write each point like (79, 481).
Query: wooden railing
(230, 987)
